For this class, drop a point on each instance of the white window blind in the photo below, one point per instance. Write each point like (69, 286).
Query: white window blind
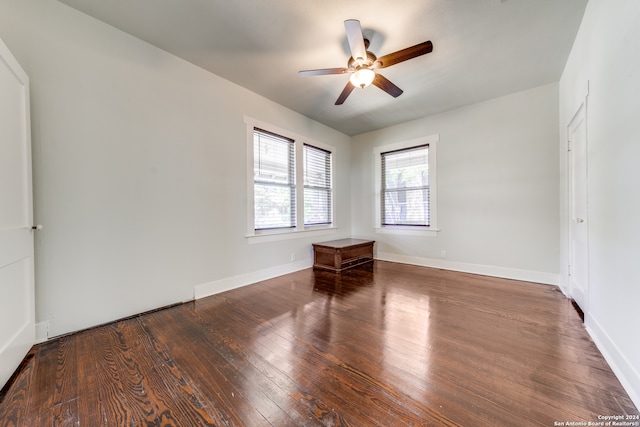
(273, 181)
(317, 186)
(405, 187)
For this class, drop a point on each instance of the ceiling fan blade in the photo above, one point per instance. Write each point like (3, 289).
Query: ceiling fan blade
(345, 92)
(404, 54)
(356, 40)
(385, 84)
(323, 71)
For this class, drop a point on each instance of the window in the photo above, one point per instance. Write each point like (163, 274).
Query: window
(317, 186)
(289, 184)
(274, 181)
(406, 187)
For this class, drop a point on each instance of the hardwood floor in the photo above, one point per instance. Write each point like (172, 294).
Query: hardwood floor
(390, 345)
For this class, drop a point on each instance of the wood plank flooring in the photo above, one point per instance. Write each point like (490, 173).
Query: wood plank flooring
(388, 345)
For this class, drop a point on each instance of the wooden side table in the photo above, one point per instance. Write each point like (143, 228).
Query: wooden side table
(339, 255)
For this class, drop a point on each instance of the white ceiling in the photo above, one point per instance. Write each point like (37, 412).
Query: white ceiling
(482, 48)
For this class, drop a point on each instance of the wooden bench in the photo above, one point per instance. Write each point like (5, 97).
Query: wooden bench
(339, 255)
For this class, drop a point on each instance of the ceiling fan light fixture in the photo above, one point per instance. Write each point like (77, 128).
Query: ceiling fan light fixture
(362, 77)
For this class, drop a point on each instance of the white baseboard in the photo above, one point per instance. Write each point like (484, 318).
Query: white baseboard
(563, 284)
(229, 283)
(42, 332)
(624, 370)
(222, 285)
(484, 270)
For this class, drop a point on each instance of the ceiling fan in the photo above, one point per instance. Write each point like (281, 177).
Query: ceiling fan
(362, 64)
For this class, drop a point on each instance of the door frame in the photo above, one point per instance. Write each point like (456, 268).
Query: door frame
(580, 114)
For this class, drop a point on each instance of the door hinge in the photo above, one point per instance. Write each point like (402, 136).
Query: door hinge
(568, 145)
(569, 270)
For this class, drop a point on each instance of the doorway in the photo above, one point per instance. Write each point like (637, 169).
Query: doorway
(578, 208)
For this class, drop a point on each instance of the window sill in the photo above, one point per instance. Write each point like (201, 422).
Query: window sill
(278, 235)
(408, 231)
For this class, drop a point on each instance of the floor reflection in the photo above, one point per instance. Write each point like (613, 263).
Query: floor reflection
(406, 334)
(345, 310)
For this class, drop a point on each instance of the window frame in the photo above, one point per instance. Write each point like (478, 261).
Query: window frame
(300, 229)
(412, 230)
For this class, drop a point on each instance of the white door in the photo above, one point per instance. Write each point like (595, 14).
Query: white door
(578, 213)
(17, 308)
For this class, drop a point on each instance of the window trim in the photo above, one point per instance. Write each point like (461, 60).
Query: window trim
(408, 230)
(300, 230)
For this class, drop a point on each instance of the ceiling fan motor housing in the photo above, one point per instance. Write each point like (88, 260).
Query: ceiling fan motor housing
(367, 62)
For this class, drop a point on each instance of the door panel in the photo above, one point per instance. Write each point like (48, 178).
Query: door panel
(17, 307)
(13, 297)
(578, 221)
(12, 174)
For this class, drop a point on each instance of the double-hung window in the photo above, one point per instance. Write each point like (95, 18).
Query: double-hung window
(274, 181)
(290, 189)
(317, 186)
(406, 187)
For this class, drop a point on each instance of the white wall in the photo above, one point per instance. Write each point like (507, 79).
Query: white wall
(140, 170)
(497, 188)
(605, 54)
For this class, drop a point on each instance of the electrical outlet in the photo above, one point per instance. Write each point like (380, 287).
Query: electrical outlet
(443, 254)
(293, 256)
